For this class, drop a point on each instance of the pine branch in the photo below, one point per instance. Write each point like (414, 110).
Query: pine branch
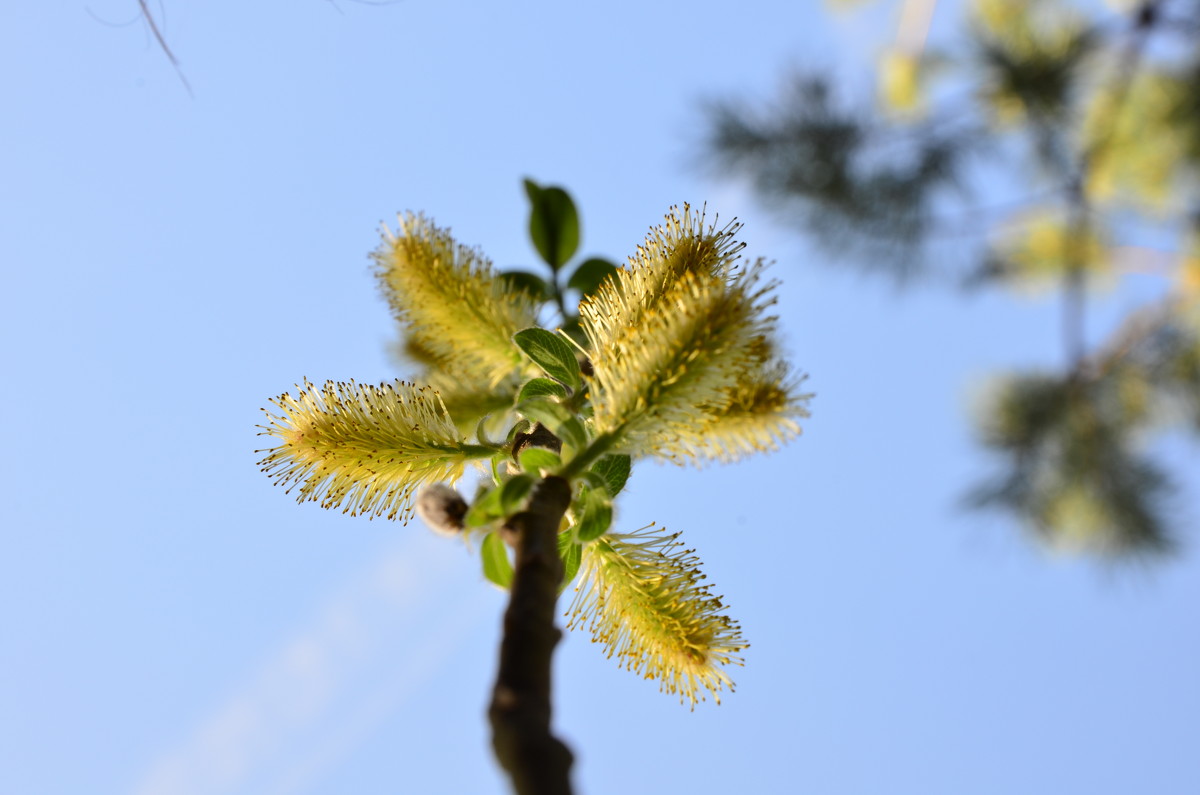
(537, 761)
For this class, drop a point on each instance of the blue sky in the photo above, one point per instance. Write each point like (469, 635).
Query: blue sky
(174, 625)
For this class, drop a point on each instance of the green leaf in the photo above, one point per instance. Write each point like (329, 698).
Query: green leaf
(597, 514)
(561, 421)
(535, 459)
(481, 431)
(590, 274)
(551, 353)
(615, 471)
(595, 481)
(553, 223)
(496, 566)
(525, 282)
(498, 461)
(520, 426)
(514, 491)
(547, 411)
(541, 387)
(572, 556)
(573, 433)
(486, 509)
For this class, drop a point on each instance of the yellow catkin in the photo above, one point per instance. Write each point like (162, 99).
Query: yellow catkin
(683, 243)
(662, 379)
(761, 414)
(363, 448)
(451, 304)
(640, 595)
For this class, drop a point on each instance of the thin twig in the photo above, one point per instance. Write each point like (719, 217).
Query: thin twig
(1074, 284)
(162, 43)
(1138, 328)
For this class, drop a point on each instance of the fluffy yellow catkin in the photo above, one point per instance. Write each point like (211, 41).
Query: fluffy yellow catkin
(640, 595)
(364, 448)
(683, 350)
(683, 243)
(449, 301)
(760, 414)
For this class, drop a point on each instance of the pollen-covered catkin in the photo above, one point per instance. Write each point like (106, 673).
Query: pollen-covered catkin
(365, 449)
(641, 595)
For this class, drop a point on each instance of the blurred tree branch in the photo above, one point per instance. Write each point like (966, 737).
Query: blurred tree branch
(1092, 124)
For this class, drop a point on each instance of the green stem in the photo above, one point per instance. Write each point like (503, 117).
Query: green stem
(480, 450)
(467, 450)
(600, 446)
(558, 294)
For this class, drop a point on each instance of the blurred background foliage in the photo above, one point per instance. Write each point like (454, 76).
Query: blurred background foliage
(1029, 145)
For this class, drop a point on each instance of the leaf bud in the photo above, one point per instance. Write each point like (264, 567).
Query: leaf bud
(442, 508)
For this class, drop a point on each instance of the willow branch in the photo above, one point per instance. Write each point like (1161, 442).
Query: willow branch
(537, 761)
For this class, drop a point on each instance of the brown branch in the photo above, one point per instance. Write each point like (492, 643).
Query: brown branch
(162, 43)
(537, 761)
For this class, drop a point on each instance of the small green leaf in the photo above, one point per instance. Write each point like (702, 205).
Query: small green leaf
(481, 431)
(574, 434)
(597, 515)
(535, 459)
(520, 426)
(525, 282)
(485, 509)
(541, 387)
(590, 274)
(496, 566)
(561, 421)
(514, 491)
(572, 556)
(596, 482)
(546, 411)
(551, 353)
(553, 223)
(615, 471)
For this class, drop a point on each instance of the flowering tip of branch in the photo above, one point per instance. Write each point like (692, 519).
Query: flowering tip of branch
(451, 304)
(640, 595)
(364, 448)
(682, 244)
(657, 381)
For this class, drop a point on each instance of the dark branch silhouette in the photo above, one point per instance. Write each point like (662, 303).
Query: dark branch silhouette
(538, 763)
(162, 43)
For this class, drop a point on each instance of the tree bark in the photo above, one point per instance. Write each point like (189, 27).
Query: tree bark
(537, 762)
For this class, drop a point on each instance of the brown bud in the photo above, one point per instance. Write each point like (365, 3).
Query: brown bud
(539, 436)
(442, 508)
